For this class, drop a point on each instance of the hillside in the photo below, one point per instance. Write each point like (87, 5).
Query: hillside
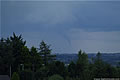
(111, 58)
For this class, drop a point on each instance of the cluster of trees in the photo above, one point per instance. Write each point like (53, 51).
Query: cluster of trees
(22, 63)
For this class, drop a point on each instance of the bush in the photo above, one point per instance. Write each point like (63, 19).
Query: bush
(26, 75)
(15, 76)
(41, 74)
(56, 77)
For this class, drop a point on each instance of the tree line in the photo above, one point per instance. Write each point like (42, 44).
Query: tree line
(22, 63)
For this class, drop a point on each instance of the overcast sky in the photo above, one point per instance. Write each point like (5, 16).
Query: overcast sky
(67, 25)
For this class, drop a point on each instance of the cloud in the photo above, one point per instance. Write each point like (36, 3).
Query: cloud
(91, 42)
(51, 13)
(60, 0)
(85, 15)
(68, 26)
(95, 41)
(57, 42)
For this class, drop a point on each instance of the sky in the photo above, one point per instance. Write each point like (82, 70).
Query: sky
(67, 25)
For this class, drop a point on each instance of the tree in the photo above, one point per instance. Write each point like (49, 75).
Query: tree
(82, 66)
(26, 58)
(10, 53)
(101, 68)
(15, 76)
(45, 52)
(57, 67)
(35, 59)
(17, 43)
(98, 66)
(42, 73)
(26, 75)
(71, 69)
(56, 77)
(6, 57)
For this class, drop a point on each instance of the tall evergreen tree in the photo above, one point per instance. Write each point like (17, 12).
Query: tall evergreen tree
(6, 57)
(35, 59)
(72, 69)
(26, 58)
(45, 52)
(17, 43)
(82, 65)
(99, 66)
(57, 67)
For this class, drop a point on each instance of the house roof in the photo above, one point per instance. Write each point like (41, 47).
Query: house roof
(4, 77)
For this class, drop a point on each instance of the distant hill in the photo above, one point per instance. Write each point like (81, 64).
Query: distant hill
(111, 58)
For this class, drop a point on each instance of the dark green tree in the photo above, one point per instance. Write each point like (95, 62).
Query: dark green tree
(45, 52)
(98, 66)
(72, 69)
(42, 73)
(82, 66)
(56, 77)
(6, 57)
(57, 67)
(35, 59)
(102, 69)
(26, 58)
(17, 43)
(26, 75)
(15, 76)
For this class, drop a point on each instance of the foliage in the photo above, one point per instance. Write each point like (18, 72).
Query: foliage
(45, 52)
(26, 58)
(82, 65)
(15, 76)
(36, 59)
(42, 73)
(26, 75)
(71, 69)
(6, 57)
(57, 67)
(17, 43)
(41, 65)
(56, 77)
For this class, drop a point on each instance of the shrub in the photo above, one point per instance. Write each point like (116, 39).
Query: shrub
(56, 77)
(15, 76)
(41, 74)
(26, 75)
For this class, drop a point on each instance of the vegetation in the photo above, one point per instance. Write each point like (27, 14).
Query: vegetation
(45, 53)
(15, 76)
(40, 64)
(56, 77)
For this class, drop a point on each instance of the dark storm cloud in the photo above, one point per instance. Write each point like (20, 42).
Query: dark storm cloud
(65, 24)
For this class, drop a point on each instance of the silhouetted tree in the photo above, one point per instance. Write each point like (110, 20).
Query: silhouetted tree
(15, 76)
(26, 58)
(57, 67)
(35, 59)
(56, 77)
(45, 52)
(6, 57)
(14, 53)
(17, 45)
(72, 69)
(82, 65)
